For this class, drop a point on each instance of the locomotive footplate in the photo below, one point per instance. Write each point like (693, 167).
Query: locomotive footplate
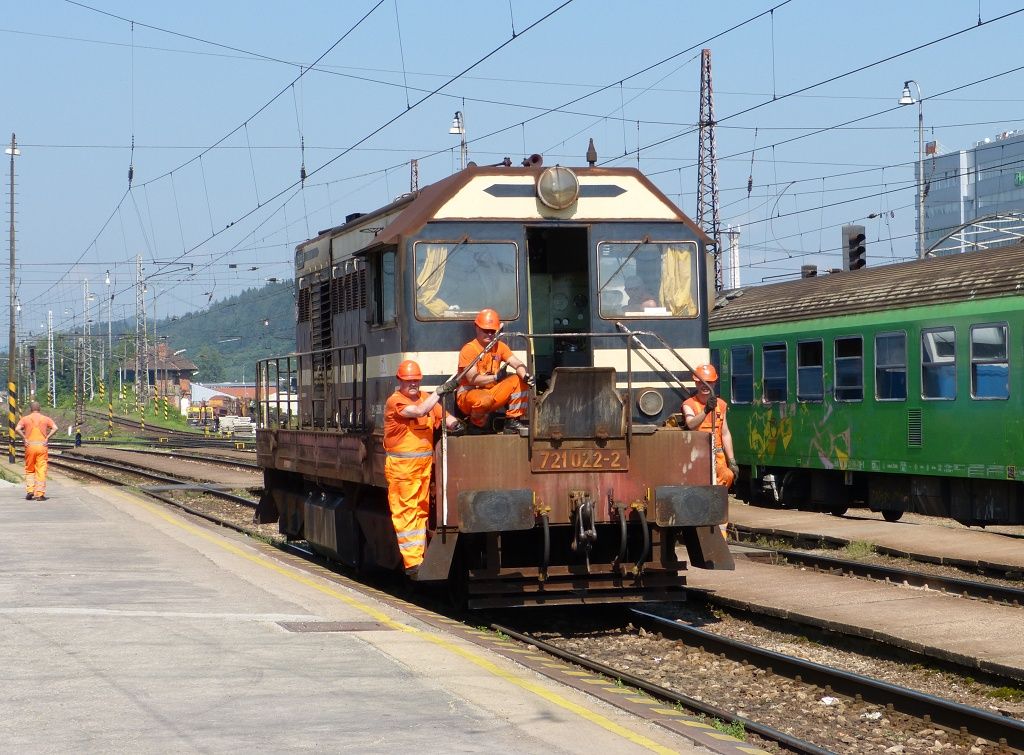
(571, 585)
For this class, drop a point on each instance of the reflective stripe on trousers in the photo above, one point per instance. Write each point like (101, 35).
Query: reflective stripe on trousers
(408, 499)
(477, 403)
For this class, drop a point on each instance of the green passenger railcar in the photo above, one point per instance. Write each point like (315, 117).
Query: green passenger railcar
(897, 388)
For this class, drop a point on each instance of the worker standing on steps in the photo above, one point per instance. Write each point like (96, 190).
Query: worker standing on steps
(36, 429)
(486, 386)
(410, 419)
(706, 412)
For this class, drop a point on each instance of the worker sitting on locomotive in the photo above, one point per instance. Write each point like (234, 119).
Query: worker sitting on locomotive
(706, 412)
(485, 387)
(409, 423)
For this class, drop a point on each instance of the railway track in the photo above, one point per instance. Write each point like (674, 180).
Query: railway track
(808, 685)
(986, 591)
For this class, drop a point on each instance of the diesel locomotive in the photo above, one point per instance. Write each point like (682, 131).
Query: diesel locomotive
(601, 497)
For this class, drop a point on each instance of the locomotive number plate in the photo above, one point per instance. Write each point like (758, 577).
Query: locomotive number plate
(579, 460)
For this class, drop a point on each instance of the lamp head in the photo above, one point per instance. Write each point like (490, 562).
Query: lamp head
(456, 127)
(906, 98)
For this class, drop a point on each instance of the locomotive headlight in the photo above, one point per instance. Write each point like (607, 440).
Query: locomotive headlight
(650, 403)
(558, 187)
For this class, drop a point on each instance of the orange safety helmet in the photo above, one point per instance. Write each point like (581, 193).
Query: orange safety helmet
(707, 373)
(409, 370)
(488, 319)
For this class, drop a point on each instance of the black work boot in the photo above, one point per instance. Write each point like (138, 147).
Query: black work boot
(514, 425)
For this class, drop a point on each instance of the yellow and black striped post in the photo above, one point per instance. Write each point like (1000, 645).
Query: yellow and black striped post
(12, 410)
(166, 412)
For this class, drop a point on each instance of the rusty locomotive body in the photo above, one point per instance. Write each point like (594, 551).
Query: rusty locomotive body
(601, 497)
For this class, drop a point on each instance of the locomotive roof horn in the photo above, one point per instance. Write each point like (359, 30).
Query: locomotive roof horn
(533, 161)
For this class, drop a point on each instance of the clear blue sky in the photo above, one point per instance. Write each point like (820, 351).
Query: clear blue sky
(81, 83)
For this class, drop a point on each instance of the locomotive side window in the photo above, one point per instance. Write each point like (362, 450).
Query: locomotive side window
(891, 366)
(647, 279)
(773, 366)
(938, 363)
(810, 369)
(742, 374)
(384, 309)
(849, 369)
(455, 280)
(990, 367)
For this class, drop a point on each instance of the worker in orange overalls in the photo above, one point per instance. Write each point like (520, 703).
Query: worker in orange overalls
(483, 388)
(35, 430)
(706, 412)
(409, 422)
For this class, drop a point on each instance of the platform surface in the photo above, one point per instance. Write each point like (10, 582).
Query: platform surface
(128, 627)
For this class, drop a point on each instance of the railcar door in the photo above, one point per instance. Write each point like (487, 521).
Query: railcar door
(558, 298)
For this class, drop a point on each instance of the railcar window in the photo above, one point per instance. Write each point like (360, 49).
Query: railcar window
(384, 310)
(891, 366)
(810, 371)
(849, 369)
(741, 374)
(455, 280)
(990, 367)
(653, 279)
(773, 366)
(938, 363)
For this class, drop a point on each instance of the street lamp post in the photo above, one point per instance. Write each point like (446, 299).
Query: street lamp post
(458, 127)
(12, 389)
(907, 99)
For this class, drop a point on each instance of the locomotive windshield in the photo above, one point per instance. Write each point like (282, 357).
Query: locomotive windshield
(455, 280)
(647, 279)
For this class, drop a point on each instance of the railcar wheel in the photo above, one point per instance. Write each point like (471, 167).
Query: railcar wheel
(794, 490)
(839, 510)
(891, 515)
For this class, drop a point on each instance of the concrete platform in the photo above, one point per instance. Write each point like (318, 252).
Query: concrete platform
(128, 627)
(915, 537)
(968, 632)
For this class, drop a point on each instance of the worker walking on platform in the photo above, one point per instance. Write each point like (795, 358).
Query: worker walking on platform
(35, 430)
(484, 389)
(706, 412)
(409, 423)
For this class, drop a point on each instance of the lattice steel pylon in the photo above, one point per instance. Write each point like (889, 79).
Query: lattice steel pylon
(141, 369)
(51, 363)
(707, 166)
(88, 386)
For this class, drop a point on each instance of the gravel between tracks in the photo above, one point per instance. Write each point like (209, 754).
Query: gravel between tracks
(844, 725)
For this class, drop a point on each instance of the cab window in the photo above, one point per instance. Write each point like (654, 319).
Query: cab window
(456, 279)
(647, 279)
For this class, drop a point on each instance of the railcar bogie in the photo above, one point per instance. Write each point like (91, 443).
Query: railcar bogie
(597, 497)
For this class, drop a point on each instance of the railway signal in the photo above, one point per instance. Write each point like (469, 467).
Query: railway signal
(854, 246)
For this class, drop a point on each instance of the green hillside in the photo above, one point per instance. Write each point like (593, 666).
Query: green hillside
(227, 339)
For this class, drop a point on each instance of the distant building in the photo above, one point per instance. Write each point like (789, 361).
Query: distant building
(966, 185)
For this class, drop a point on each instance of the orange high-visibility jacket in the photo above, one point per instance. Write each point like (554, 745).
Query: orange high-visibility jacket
(409, 434)
(489, 362)
(36, 426)
(705, 426)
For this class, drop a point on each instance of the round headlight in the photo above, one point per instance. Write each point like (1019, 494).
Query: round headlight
(650, 403)
(558, 187)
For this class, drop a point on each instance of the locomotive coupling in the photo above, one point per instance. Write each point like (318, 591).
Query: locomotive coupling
(584, 531)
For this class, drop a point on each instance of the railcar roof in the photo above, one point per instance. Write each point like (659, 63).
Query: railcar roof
(957, 277)
(433, 198)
